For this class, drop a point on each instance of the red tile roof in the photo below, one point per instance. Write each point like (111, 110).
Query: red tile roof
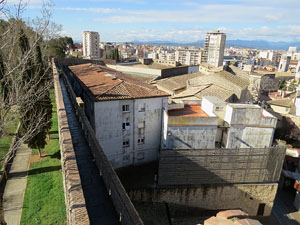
(108, 84)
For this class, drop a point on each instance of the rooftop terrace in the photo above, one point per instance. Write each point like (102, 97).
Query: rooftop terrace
(188, 111)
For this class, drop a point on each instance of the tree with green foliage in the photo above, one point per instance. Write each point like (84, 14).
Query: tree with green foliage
(43, 106)
(56, 47)
(113, 54)
(282, 85)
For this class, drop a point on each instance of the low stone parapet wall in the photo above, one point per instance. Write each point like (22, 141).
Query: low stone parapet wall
(74, 199)
(122, 203)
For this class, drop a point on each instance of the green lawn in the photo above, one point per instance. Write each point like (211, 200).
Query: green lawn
(44, 196)
(5, 141)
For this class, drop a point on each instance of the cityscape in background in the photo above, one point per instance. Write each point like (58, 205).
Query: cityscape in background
(137, 112)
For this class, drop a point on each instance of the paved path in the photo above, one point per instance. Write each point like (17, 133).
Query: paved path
(16, 185)
(99, 205)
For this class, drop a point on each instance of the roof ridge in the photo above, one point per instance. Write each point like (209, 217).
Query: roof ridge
(113, 86)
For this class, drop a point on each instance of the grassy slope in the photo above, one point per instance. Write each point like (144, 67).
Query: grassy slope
(6, 139)
(44, 196)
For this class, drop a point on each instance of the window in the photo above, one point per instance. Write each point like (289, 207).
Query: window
(125, 108)
(141, 131)
(126, 158)
(142, 107)
(141, 124)
(141, 141)
(126, 126)
(126, 143)
(140, 155)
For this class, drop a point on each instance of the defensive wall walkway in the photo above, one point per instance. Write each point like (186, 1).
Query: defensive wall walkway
(93, 191)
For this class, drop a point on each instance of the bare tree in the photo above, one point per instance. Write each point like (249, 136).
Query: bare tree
(18, 96)
(260, 84)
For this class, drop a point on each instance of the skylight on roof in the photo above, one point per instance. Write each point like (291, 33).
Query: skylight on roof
(110, 75)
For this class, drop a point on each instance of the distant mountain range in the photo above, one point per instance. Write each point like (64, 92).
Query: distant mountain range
(257, 44)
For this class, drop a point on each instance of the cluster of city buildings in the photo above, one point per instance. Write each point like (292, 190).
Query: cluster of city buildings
(196, 98)
(164, 98)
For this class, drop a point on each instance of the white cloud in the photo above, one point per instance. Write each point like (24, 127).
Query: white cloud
(279, 33)
(94, 10)
(206, 14)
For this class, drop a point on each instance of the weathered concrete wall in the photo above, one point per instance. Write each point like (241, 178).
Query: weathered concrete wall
(145, 122)
(74, 199)
(186, 137)
(249, 126)
(70, 61)
(192, 121)
(249, 137)
(169, 72)
(247, 197)
(243, 114)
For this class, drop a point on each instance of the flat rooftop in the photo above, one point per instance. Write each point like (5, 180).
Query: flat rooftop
(156, 66)
(244, 106)
(188, 111)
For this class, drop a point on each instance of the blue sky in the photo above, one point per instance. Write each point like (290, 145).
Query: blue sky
(176, 20)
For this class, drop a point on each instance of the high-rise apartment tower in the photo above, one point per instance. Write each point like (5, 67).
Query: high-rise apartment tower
(214, 46)
(90, 44)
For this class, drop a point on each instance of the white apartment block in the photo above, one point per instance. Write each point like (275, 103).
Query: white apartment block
(126, 115)
(270, 55)
(284, 63)
(214, 47)
(189, 57)
(90, 45)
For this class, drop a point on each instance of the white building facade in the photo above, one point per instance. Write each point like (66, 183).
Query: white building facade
(248, 126)
(90, 45)
(125, 114)
(284, 63)
(129, 131)
(215, 124)
(214, 47)
(188, 57)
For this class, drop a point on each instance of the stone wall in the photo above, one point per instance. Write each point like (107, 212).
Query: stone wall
(74, 199)
(119, 197)
(219, 166)
(175, 71)
(248, 197)
(72, 61)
